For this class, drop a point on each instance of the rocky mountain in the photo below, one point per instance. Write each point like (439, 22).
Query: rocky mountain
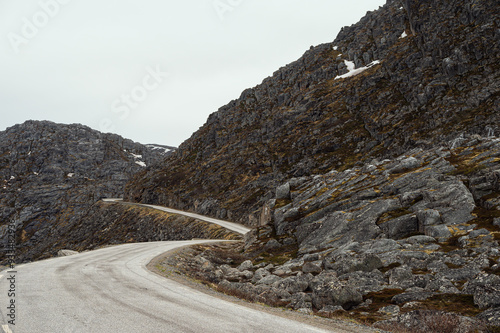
(410, 241)
(369, 167)
(412, 74)
(51, 174)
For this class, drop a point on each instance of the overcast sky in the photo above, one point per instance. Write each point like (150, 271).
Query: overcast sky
(151, 70)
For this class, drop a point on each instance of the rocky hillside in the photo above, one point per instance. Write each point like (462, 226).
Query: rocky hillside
(51, 174)
(410, 241)
(412, 74)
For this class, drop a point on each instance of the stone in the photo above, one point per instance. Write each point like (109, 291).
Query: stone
(294, 284)
(246, 265)
(439, 232)
(272, 245)
(420, 239)
(348, 263)
(427, 218)
(309, 267)
(406, 164)
(269, 279)
(478, 232)
(391, 310)
(490, 316)
(486, 290)
(328, 290)
(412, 296)
(283, 191)
(401, 277)
(400, 227)
(260, 274)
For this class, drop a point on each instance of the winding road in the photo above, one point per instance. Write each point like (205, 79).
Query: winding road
(239, 228)
(111, 290)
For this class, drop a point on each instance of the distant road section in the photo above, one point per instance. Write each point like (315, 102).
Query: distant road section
(239, 228)
(110, 290)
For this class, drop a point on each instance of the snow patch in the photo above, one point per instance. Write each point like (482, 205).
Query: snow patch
(352, 71)
(136, 156)
(12, 177)
(403, 35)
(70, 175)
(335, 48)
(164, 149)
(141, 163)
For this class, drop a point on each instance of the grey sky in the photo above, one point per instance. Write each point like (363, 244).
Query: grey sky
(103, 63)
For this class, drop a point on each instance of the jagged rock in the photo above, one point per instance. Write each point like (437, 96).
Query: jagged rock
(365, 282)
(442, 284)
(283, 191)
(231, 274)
(328, 290)
(404, 165)
(260, 274)
(401, 277)
(391, 310)
(491, 316)
(400, 227)
(440, 232)
(486, 290)
(428, 217)
(310, 267)
(430, 321)
(246, 265)
(348, 263)
(411, 296)
(420, 239)
(269, 279)
(478, 232)
(295, 284)
(271, 245)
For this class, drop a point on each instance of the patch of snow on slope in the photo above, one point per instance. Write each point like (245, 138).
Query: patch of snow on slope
(352, 71)
(137, 159)
(136, 156)
(164, 149)
(403, 35)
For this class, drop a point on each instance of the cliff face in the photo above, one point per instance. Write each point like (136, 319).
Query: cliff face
(52, 174)
(411, 74)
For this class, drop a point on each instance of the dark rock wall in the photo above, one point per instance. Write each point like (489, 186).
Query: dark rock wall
(430, 87)
(51, 174)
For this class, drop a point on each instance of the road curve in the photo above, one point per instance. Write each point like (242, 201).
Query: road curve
(239, 228)
(110, 290)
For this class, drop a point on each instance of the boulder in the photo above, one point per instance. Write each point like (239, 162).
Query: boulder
(328, 290)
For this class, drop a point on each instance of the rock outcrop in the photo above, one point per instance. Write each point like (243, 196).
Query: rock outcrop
(383, 241)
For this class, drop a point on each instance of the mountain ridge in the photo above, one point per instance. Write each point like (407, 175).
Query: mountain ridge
(52, 176)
